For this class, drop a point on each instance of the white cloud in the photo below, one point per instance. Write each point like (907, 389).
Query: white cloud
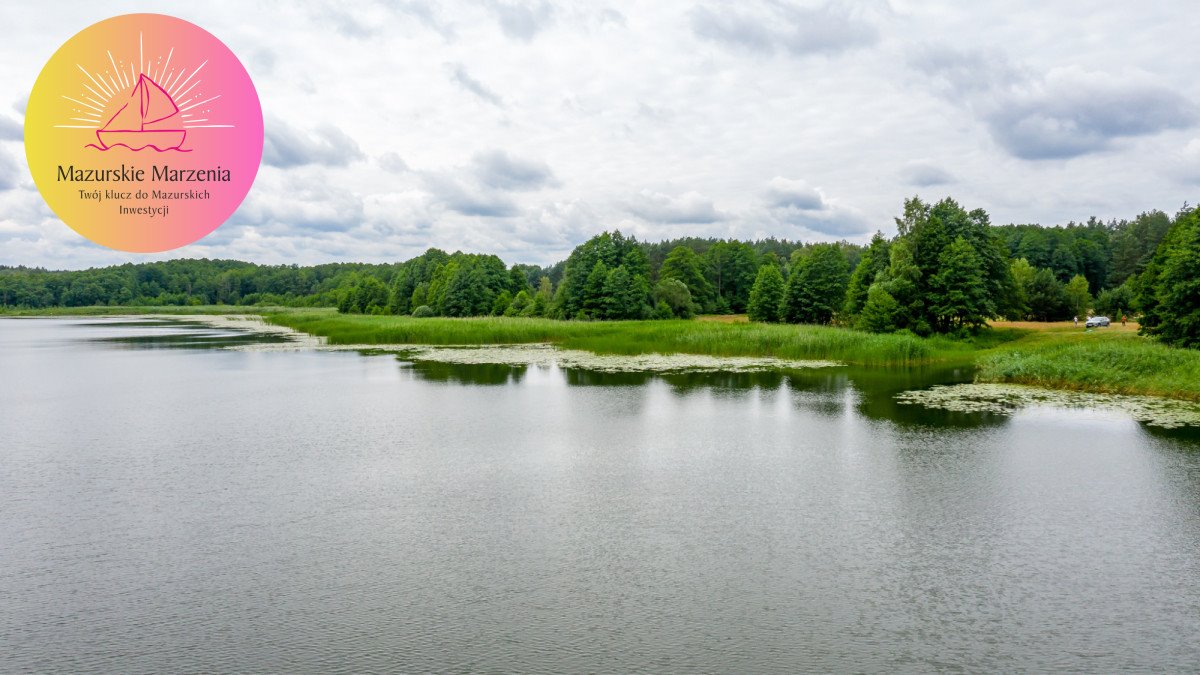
(689, 207)
(498, 169)
(1186, 164)
(925, 173)
(769, 26)
(797, 194)
(1067, 112)
(10, 173)
(522, 127)
(392, 162)
(523, 20)
(458, 73)
(10, 129)
(797, 203)
(286, 146)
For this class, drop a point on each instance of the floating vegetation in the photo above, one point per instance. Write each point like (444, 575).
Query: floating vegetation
(1007, 398)
(548, 355)
(512, 355)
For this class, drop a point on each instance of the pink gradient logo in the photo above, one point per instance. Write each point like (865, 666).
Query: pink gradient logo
(144, 133)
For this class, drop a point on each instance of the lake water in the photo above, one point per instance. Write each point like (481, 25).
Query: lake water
(170, 507)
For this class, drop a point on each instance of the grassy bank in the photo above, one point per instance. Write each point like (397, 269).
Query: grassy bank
(712, 338)
(1115, 360)
(728, 336)
(1058, 356)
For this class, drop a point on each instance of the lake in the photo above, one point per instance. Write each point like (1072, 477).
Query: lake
(167, 505)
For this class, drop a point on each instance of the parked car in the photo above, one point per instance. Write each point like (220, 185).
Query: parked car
(1097, 321)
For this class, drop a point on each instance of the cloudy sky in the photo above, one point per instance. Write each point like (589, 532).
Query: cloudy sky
(523, 127)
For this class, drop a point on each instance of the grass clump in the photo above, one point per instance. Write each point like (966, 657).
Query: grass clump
(1109, 363)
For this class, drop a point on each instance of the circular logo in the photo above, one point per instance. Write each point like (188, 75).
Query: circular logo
(143, 133)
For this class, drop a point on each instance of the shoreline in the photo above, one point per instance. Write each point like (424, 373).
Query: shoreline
(1053, 356)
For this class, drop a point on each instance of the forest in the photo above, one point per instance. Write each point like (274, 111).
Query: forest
(947, 270)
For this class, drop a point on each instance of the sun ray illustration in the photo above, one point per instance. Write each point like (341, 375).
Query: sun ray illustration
(141, 107)
(120, 75)
(185, 92)
(96, 93)
(163, 70)
(171, 84)
(189, 77)
(83, 104)
(202, 102)
(94, 81)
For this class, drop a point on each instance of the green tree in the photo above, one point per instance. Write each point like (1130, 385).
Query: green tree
(466, 293)
(1115, 302)
(625, 296)
(1135, 242)
(1170, 289)
(542, 299)
(368, 295)
(816, 289)
(1047, 297)
(766, 297)
(1079, 300)
(902, 280)
(677, 298)
(419, 295)
(593, 303)
(930, 230)
(874, 260)
(879, 312)
(519, 305)
(578, 287)
(682, 264)
(958, 294)
(503, 301)
(1023, 274)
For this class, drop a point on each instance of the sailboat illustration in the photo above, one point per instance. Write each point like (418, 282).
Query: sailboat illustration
(150, 119)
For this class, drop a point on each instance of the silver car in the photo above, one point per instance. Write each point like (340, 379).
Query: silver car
(1097, 321)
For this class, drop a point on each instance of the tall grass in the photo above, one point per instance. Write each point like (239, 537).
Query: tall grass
(633, 337)
(1113, 363)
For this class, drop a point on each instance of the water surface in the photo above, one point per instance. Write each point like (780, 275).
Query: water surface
(169, 506)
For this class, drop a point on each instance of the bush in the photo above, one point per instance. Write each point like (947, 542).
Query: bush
(423, 311)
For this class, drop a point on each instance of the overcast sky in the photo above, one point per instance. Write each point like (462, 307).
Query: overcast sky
(522, 128)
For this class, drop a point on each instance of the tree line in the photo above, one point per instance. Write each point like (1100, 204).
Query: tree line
(947, 270)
